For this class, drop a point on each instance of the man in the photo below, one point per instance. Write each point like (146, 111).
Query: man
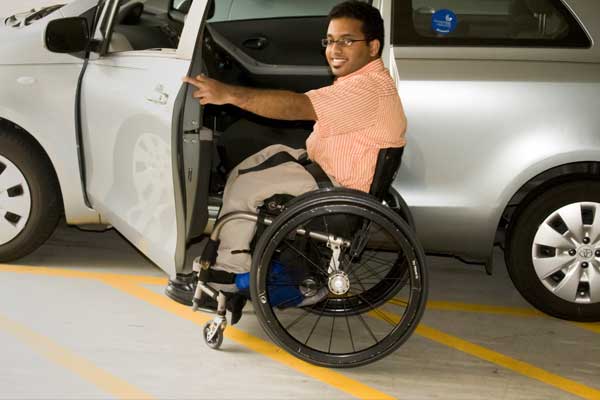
(357, 116)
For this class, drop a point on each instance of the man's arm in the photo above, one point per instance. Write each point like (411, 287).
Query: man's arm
(276, 104)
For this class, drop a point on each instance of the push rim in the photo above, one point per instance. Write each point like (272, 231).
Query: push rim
(15, 201)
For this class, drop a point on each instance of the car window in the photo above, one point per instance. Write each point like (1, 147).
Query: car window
(487, 22)
(237, 10)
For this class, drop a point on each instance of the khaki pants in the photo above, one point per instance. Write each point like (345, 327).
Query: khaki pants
(247, 192)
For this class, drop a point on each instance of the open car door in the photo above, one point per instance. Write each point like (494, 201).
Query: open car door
(141, 136)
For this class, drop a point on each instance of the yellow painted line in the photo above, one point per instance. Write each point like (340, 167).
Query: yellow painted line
(128, 283)
(484, 308)
(502, 360)
(325, 375)
(71, 273)
(71, 361)
(478, 308)
(489, 309)
(590, 326)
(520, 367)
(158, 280)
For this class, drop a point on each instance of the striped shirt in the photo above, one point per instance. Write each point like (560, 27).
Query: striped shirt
(357, 116)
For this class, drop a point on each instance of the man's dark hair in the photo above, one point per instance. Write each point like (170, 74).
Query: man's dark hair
(372, 23)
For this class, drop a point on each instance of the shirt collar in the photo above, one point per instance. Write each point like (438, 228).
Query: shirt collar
(373, 66)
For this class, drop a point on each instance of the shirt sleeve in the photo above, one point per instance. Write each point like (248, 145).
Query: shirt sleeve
(346, 106)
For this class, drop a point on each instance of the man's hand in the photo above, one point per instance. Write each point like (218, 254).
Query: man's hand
(209, 90)
(276, 104)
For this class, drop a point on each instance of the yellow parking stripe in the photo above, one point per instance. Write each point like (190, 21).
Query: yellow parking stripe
(129, 283)
(325, 375)
(159, 280)
(71, 361)
(590, 326)
(494, 357)
(501, 310)
(520, 367)
(72, 273)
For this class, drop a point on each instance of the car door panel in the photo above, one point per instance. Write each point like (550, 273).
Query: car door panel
(127, 113)
(291, 56)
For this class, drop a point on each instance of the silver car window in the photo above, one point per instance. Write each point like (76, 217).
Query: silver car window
(535, 23)
(504, 19)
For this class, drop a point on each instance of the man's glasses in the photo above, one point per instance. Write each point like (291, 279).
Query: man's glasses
(342, 42)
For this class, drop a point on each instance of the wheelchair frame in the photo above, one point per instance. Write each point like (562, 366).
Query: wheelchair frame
(214, 330)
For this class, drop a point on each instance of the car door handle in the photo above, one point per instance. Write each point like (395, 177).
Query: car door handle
(257, 43)
(159, 96)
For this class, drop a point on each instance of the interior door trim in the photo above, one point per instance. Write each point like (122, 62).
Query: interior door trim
(259, 68)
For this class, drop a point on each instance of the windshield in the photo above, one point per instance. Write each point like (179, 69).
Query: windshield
(28, 17)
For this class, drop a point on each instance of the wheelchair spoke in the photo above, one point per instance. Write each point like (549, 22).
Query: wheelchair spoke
(349, 330)
(298, 319)
(316, 323)
(326, 227)
(289, 301)
(367, 230)
(331, 334)
(360, 317)
(373, 273)
(382, 315)
(295, 250)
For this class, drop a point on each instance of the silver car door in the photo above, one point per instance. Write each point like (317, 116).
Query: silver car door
(131, 103)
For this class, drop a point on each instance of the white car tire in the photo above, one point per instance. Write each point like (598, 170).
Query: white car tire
(553, 252)
(30, 205)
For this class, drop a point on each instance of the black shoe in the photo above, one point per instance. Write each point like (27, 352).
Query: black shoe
(182, 290)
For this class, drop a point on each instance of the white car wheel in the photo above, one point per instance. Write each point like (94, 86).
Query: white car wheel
(30, 204)
(15, 201)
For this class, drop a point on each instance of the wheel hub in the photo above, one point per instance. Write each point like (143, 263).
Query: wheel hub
(586, 253)
(339, 284)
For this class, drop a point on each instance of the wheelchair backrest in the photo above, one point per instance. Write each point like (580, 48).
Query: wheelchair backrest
(386, 169)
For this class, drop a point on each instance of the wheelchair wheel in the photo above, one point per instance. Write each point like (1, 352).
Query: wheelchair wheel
(338, 279)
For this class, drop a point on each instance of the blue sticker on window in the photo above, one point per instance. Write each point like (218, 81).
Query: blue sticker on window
(444, 21)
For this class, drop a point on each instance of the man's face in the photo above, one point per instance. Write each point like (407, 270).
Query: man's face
(346, 60)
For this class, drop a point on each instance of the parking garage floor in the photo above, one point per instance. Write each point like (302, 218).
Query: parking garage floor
(85, 317)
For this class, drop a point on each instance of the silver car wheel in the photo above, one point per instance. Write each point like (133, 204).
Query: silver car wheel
(566, 252)
(15, 201)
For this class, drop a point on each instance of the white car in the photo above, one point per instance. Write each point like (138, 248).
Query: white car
(502, 100)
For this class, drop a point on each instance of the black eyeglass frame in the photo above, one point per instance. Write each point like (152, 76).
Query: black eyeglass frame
(346, 42)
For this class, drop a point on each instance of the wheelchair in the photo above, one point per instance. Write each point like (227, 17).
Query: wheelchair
(338, 278)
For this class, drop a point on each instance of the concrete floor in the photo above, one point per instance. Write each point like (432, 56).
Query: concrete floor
(84, 317)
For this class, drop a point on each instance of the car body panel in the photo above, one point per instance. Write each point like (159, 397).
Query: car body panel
(520, 102)
(38, 95)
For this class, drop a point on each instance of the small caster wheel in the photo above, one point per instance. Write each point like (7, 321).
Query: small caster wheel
(213, 335)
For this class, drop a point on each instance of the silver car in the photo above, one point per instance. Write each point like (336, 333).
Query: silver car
(502, 98)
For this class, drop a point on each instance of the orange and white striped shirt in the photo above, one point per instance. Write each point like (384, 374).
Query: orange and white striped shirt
(357, 116)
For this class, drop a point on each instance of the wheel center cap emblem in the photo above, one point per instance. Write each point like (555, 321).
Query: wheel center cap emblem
(586, 252)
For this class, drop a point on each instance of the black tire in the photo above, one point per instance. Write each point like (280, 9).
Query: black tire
(378, 330)
(45, 210)
(519, 255)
